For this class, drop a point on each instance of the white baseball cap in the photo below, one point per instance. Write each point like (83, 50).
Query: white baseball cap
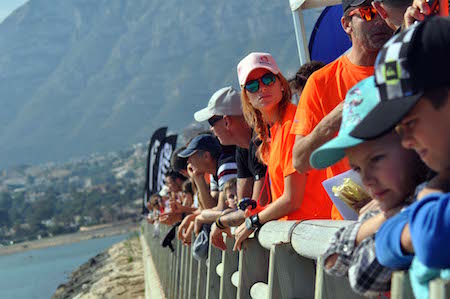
(225, 101)
(254, 61)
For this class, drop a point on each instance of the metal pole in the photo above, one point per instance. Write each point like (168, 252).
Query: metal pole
(300, 35)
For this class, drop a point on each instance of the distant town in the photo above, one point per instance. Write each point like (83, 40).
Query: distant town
(46, 200)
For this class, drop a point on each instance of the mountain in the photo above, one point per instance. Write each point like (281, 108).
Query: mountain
(85, 76)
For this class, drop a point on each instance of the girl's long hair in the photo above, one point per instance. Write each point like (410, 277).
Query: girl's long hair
(255, 120)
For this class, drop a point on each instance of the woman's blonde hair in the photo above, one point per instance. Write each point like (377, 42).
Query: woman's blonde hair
(256, 121)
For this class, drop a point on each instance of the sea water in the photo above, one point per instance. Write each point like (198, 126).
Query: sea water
(37, 273)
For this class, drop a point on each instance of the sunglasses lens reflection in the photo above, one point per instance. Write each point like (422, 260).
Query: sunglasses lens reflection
(252, 86)
(268, 79)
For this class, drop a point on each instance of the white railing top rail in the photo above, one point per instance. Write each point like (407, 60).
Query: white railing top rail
(309, 238)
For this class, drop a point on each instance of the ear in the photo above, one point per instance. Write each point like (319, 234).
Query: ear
(381, 11)
(346, 25)
(227, 121)
(206, 155)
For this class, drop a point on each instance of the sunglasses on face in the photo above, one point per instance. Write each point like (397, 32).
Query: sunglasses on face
(213, 120)
(253, 86)
(367, 12)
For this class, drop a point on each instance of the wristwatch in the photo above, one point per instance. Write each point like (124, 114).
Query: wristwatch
(252, 222)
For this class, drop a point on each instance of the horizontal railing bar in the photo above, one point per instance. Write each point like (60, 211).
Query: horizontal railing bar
(311, 238)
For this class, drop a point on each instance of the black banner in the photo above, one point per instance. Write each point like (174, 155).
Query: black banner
(150, 174)
(162, 164)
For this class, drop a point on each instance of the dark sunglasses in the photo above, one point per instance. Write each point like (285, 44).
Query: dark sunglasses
(267, 79)
(367, 12)
(213, 120)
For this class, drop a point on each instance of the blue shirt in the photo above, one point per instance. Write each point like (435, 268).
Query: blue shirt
(429, 224)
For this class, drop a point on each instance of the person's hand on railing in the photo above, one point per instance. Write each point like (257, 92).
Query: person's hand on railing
(169, 218)
(187, 235)
(185, 225)
(241, 234)
(198, 222)
(217, 237)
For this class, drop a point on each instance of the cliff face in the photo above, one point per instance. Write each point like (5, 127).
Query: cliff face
(115, 273)
(84, 76)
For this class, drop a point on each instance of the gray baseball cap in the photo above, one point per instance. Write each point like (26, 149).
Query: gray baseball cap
(225, 101)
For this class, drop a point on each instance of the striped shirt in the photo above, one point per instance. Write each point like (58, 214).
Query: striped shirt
(226, 169)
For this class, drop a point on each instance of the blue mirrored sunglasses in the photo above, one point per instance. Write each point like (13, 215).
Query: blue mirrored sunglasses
(267, 79)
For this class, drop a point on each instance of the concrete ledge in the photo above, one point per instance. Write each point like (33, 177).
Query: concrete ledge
(153, 288)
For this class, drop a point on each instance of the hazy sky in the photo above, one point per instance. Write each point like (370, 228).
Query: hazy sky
(7, 7)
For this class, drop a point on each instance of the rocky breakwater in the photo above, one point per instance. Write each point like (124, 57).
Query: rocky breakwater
(115, 273)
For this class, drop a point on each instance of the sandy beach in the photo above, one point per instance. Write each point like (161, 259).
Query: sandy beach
(101, 231)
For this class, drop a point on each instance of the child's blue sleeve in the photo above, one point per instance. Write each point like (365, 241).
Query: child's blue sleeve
(429, 221)
(387, 242)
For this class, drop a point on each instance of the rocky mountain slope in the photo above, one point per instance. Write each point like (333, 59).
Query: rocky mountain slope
(85, 76)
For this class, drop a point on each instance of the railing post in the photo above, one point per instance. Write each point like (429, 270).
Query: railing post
(182, 266)
(201, 280)
(439, 289)
(187, 273)
(290, 274)
(253, 265)
(330, 287)
(172, 275)
(165, 260)
(193, 265)
(177, 271)
(230, 260)
(212, 279)
(400, 285)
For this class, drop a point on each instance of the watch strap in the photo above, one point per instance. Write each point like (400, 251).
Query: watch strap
(255, 221)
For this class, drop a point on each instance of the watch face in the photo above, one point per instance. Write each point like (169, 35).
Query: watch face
(248, 223)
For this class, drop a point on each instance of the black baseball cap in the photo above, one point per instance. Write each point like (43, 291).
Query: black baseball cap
(346, 4)
(205, 142)
(409, 64)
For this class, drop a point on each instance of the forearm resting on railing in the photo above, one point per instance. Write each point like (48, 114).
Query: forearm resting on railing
(369, 227)
(323, 132)
(233, 218)
(211, 215)
(288, 202)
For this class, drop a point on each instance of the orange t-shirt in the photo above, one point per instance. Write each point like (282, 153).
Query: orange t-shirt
(323, 91)
(315, 204)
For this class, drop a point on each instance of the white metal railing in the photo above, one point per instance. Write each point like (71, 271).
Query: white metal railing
(283, 260)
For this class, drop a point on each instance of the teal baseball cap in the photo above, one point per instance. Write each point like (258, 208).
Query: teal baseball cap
(359, 101)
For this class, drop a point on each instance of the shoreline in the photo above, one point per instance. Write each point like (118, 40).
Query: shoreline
(117, 272)
(105, 230)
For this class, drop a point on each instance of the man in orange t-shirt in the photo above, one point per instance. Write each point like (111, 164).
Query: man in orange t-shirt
(319, 112)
